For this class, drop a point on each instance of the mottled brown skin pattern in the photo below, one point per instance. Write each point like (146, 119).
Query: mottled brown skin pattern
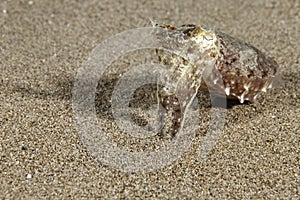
(226, 65)
(243, 68)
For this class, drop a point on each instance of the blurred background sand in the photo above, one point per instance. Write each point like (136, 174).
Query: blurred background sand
(43, 44)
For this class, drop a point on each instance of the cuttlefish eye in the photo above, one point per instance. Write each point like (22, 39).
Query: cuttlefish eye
(207, 38)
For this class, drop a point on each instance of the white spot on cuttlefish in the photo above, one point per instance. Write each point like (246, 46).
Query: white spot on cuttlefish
(227, 90)
(215, 81)
(270, 86)
(241, 98)
(247, 86)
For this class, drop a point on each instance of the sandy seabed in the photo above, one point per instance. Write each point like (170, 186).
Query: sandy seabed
(44, 43)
